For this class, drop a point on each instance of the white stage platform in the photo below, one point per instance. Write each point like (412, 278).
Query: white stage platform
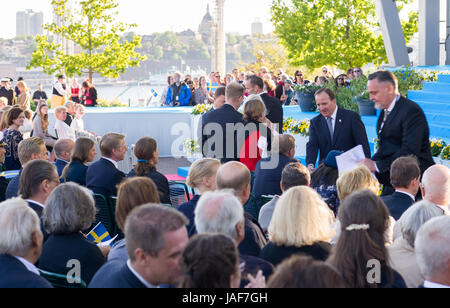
(168, 126)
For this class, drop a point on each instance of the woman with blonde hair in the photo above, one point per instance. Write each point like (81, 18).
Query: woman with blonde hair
(132, 193)
(258, 136)
(355, 181)
(301, 224)
(4, 119)
(202, 177)
(24, 98)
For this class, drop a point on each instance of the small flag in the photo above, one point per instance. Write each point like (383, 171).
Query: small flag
(212, 87)
(154, 93)
(99, 234)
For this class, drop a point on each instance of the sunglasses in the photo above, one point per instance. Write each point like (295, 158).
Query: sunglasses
(357, 71)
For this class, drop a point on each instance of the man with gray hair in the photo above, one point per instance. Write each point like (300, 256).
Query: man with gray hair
(156, 237)
(63, 151)
(401, 254)
(237, 177)
(433, 252)
(221, 212)
(436, 186)
(20, 246)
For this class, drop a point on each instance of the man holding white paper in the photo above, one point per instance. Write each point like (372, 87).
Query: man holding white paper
(402, 129)
(334, 129)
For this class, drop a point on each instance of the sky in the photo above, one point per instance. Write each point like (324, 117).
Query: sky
(156, 16)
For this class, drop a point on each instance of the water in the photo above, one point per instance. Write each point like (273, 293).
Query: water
(137, 95)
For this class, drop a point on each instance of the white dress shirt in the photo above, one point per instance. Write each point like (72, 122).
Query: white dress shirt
(141, 279)
(28, 265)
(64, 131)
(333, 118)
(77, 125)
(113, 161)
(35, 202)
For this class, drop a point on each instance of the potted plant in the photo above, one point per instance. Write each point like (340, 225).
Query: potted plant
(365, 105)
(437, 146)
(305, 96)
(300, 131)
(192, 150)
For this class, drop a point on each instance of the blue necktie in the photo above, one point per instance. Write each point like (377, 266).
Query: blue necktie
(330, 127)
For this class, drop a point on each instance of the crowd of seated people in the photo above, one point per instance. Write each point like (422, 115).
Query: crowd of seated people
(319, 230)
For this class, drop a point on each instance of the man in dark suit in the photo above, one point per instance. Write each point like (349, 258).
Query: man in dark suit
(39, 178)
(267, 180)
(103, 176)
(29, 149)
(220, 127)
(20, 252)
(402, 128)
(335, 129)
(236, 176)
(63, 151)
(405, 177)
(255, 85)
(153, 265)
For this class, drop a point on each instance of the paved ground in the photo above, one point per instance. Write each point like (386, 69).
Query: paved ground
(170, 165)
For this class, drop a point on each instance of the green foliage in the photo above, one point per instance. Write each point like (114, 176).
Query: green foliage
(309, 88)
(92, 28)
(346, 97)
(333, 32)
(110, 103)
(409, 79)
(437, 145)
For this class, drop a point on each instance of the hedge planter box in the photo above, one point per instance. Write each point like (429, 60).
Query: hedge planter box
(366, 107)
(306, 101)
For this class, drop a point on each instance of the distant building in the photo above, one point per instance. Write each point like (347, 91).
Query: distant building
(257, 27)
(29, 23)
(206, 28)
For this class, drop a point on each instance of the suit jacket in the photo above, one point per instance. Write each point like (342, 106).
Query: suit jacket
(397, 204)
(188, 209)
(161, 182)
(13, 274)
(254, 240)
(77, 173)
(59, 249)
(274, 109)
(115, 275)
(267, 181)
(349, 132)
(405, 133)
(12, 190)
(60, 165)
(103, 177)
(221, 117)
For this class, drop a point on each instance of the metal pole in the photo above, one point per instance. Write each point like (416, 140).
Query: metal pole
(429, 45)
(393, 36)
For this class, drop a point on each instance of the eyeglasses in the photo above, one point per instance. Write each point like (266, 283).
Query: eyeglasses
(340, 79)
(357, 71)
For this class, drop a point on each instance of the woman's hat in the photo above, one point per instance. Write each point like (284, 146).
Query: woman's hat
(330, 161)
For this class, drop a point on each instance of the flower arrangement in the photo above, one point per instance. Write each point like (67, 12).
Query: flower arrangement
(201, 109)
(296, 127)
(445, 154)
(437, 145)
(191, 146)
(309, 88)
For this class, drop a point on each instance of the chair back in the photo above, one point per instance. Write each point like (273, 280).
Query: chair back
(105, 214)
(62, 281)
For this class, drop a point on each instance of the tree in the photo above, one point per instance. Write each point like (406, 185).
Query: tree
(92, 28)
(341, 33)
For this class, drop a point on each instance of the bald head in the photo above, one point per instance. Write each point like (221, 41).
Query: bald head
(235, 176)
(64, 149)
(436, 185)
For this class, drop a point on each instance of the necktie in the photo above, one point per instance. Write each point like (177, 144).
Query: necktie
(386, 115)
(330, 127)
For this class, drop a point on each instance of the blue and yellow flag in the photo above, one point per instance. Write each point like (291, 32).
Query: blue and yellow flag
(153, 92)
(212, 86)
(99, 234)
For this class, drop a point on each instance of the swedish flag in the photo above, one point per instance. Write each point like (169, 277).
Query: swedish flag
(212, 86)
(153, 92)
(99, 234)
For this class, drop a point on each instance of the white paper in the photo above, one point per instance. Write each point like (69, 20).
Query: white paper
(350, 160)
(108, 243)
